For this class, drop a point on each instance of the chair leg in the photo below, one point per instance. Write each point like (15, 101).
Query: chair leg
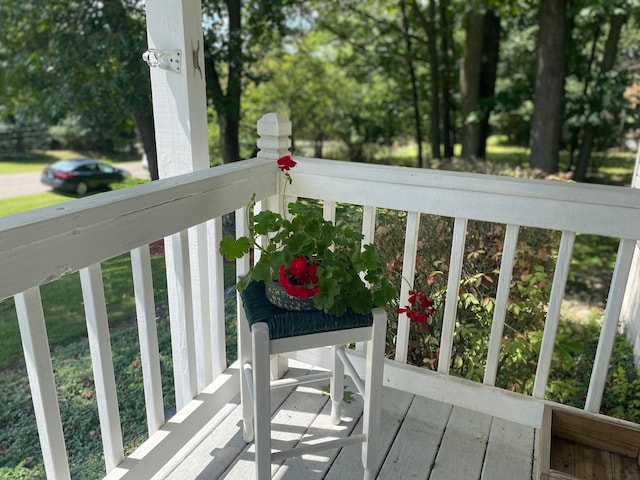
(261, 400)
(244, 354)
(336, 388)
(373, 392)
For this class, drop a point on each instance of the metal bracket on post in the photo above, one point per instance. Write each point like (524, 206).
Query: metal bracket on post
(165, 59)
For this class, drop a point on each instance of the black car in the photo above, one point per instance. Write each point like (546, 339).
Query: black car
(81, 175)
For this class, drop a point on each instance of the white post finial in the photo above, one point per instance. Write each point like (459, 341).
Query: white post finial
(274, 131)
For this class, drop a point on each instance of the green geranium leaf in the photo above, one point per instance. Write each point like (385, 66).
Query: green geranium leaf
(383, 295)
(233, 248)
(275, 260)
(298, 241)
(267, 222)
(262, 271)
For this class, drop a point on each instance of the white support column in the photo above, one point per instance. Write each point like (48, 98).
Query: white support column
(180, 115)
(179, 99)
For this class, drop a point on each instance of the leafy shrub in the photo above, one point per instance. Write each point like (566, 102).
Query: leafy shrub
(535, 258)
(621, 397)
(526, 311)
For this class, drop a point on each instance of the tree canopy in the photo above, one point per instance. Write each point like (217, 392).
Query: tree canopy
(361, 73)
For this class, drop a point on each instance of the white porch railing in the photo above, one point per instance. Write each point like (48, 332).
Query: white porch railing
(39, 246)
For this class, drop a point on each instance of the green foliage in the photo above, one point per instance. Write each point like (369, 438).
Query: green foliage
(65, 319)
(77, 63)
(333, 247)
(575, 346)
(526, 310)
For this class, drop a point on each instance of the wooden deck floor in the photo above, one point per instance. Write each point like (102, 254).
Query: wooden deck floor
(420, 439)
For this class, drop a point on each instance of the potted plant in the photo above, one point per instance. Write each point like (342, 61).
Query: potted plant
(311, 259)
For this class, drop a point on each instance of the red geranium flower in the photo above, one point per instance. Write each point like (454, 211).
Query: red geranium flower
(286, 163)
(420, 308)
(299, 279)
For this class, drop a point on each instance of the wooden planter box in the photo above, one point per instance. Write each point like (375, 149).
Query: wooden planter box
(574, 444)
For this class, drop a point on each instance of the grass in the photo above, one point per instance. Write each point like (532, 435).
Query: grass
(64, 311)
(611, 167)
(78, 406)
(36, 161)
(30, 202)
(20, 456)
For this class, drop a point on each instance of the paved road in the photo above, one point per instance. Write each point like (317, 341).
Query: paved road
(20, 184)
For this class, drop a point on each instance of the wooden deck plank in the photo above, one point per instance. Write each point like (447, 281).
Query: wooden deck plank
(224, 445)
(348, 464)
(414, 432)
(563, 455)
(316, 466)
(418, 440)
(509, 452)
(288, 426)
(463, 446)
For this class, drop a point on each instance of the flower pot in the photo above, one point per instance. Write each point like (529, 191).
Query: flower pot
(277, 295)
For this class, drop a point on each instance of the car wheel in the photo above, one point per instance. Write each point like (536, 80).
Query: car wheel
(82, 188)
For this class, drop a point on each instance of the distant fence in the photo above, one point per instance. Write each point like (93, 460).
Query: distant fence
(19, 140)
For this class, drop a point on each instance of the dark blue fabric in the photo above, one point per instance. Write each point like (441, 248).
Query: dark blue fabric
(284, 323)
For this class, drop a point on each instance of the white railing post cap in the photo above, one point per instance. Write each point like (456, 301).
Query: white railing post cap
(274, 124)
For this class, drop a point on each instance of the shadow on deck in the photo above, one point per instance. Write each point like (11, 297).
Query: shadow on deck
(420, 438)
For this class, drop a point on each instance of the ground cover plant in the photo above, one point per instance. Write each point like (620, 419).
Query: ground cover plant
(72, 366)
(19, 445)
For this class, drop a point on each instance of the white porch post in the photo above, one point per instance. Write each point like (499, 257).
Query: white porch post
(630, 315)
(179, 105)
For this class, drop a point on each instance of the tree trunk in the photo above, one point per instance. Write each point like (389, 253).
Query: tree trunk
(429, 27)
(414, 87)
(229, 144)
(318, 145)
(575, 131)
(549, 90)
(435, 81)
(470, 84)
(488, 75)
(447, 103)
(143, 116)
(227, 105)
(590, 129)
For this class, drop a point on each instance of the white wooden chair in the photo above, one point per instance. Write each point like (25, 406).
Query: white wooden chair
(275, 331)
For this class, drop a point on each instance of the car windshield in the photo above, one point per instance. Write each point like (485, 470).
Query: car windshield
(65, 165)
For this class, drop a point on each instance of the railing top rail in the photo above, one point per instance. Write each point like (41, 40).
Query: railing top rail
(472, 182)
(44, 244)
(596, 209)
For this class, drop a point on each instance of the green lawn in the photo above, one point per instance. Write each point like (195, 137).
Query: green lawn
(64, 311)
(36, 161)
(30, 202)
